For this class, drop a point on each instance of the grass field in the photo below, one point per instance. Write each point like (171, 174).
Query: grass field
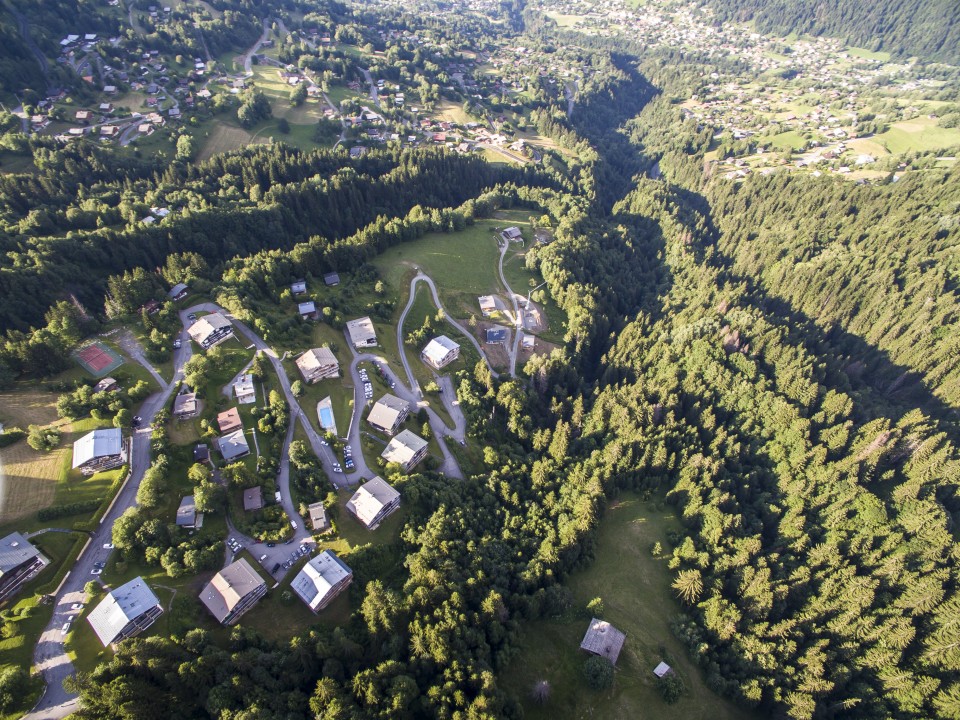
(789, 140)
(918, 134)
(563, 21)
(462, 264)
(635, 588)
(222, 138)
(868, 54)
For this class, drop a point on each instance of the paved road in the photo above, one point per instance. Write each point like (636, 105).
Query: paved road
(374, 95)
(517, 317)
(422, 277)
(49, 657)
(248, 55)
(440, 430)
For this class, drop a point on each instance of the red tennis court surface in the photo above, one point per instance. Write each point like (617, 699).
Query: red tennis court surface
(98, 359)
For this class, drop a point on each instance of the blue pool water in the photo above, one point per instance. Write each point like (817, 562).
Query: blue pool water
(326, 418)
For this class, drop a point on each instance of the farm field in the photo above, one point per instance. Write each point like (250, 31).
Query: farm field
(635, 589)
(918, 134)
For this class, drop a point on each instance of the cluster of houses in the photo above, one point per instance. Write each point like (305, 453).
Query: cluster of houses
(232, 442)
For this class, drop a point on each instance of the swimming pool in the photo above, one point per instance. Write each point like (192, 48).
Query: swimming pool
(326, 418)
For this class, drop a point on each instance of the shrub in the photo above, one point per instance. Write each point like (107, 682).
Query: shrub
(671, 687)
(42, 439)
(599, 672)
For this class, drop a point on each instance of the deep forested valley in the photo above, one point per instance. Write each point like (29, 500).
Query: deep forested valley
(775, 358)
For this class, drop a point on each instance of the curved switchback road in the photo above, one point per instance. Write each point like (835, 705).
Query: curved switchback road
(517, 317)
(418, 278)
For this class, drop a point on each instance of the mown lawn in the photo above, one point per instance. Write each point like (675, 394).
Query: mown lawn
(637, 598)
(462, 264)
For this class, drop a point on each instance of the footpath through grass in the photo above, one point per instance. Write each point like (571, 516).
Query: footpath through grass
(635, 588)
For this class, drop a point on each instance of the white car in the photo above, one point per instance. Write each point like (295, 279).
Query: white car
(263, 557)
(108, 546)
(293, 524)
(96, 571)
(66, 628)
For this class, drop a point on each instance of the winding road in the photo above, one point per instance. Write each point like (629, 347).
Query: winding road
(517, 317)
(50, 657)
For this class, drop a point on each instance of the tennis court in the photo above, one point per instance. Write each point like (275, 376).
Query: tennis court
(97, 359)
(325, 413)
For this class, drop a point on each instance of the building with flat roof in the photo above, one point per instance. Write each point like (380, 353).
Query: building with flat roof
(185, 405)
(440, 352)
(253, 498)
(603, 639)
(229, 420)
(388, 413)
(19, 561)
(318, 364)
(210, 330)
(99, 450)
(233, 591)
(362, 333)
(406, 449)
(321, 580)
(233, 445)
(373, 502)
(125, 612)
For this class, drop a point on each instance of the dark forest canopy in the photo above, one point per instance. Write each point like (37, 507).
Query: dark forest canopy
(929, 29)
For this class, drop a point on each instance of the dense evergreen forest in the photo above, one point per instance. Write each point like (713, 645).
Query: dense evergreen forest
(775, 358)
(929, 29)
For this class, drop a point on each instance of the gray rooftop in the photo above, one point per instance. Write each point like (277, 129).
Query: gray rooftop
(119, 607)
(402, 448)
(15, 550)
(187, 512)
(603, 639)
(233, 445)
(228, 587)
(96, 444)
(317, 578)
(386, 410)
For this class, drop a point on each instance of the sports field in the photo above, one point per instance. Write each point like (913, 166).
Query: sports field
(98, 359)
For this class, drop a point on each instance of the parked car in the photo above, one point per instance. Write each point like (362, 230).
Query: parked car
(337, 468)
(263, 557)
(275, 568)
(108, 546)
(271, 544)
(66, 628)
(96, 571)
(192, 317)
(293, 524)
(176, 344)
(77, 606)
